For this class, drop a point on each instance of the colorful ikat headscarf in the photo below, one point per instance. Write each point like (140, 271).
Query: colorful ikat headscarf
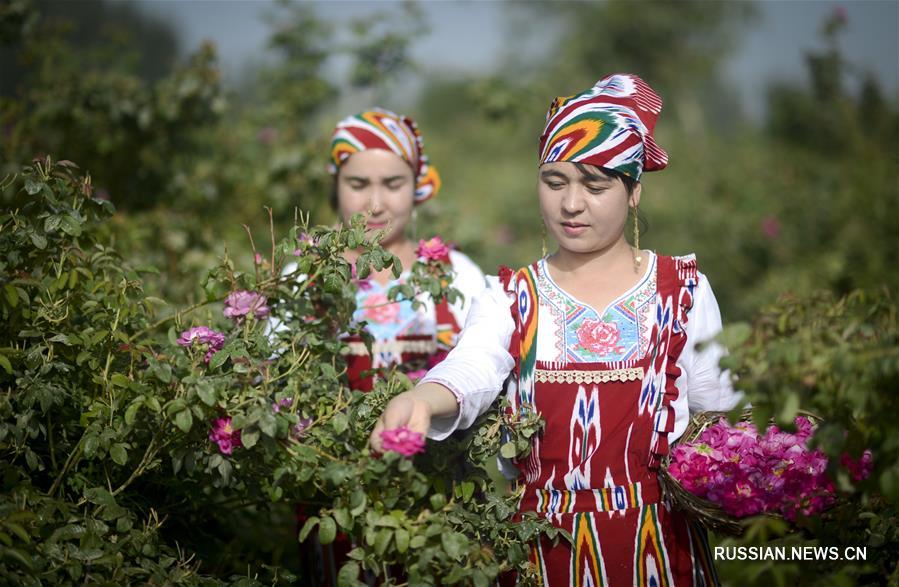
(610, 125)
(382, 129)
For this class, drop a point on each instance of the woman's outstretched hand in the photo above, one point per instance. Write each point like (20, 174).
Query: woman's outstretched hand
(414, 410)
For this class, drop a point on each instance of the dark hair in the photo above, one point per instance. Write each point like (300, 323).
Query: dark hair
(335, 204)
(587, 171)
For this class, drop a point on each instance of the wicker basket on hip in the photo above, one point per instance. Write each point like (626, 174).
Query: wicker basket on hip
(708, 513)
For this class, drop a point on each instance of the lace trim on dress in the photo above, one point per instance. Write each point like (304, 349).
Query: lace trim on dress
(597, 376)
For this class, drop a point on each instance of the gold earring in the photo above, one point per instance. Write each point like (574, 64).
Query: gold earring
(543, 240)
(638, 257)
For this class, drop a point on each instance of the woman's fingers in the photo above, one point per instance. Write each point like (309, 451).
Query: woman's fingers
(402, 410)
(398, 412)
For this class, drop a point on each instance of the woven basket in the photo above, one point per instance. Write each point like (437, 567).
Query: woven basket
(709, 514)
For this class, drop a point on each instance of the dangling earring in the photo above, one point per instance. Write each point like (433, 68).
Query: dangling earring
(638, 256)
(414, 224)
(543, 239)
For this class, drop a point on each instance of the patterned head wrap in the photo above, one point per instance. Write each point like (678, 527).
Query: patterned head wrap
(610, 125)
(382, 129)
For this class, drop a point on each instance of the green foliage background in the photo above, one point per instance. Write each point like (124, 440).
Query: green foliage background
(804, 205)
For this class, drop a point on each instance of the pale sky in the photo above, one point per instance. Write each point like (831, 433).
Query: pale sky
(470, 36)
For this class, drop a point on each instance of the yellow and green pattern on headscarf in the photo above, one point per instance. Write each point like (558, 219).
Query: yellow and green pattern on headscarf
(381, 129)
(610, 125)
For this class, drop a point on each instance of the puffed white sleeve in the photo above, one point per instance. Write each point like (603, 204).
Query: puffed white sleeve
(474, 371)
(703, 385)
(469, 280)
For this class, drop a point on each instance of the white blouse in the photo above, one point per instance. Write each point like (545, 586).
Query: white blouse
(477, 367)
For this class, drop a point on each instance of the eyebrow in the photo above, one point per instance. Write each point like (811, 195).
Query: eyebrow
(366, 179)
(549, 174)
(596, 179)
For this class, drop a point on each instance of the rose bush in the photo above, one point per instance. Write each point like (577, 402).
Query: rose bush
(134, 434)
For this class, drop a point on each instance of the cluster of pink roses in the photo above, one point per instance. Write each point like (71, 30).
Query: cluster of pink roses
(238, 305)
(747, 473)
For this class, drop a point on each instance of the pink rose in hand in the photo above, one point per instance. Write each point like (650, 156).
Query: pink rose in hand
(402, 440)
(598, 337)
(433, 250)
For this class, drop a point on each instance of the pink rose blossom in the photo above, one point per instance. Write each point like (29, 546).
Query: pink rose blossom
(771, 227)
(417, 374)
(203, 336)
(241, 303)
(224, 435)
(379, 309)
(598, 337)
(433, 250)
(299, 429)
(282, 404)
(402, 440)
(859, 469)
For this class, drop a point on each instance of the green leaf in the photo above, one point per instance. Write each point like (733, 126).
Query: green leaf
(358, 501)
(402, 540)
(467, 490)
(327, 530)
(349, 575)
(32, 186)
(343, 518)
(249, 438)
(734, 335)
(382, 540)
(7, 366)
(184, 420)
(790, 407)
(206, 392)
(339, 423)
(70, 226)
(454, 544)
(11, 296)
(508, 450)
(38, 240)
(52, 223)
(17, 556)
(18, 531)
(119, 380)
(218, 359)
(438, 500)
(307, 528)
(131, 412)
(119, 454)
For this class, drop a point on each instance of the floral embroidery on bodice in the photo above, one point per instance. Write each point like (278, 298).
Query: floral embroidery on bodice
(582, 334)
(388, 320)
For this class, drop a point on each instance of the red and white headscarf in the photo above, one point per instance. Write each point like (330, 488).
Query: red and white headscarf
(382, 129)
(610, 125)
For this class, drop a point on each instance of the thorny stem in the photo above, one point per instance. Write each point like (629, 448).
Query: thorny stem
(253, 245)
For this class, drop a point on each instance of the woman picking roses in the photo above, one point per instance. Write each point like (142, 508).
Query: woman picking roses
(600, 339)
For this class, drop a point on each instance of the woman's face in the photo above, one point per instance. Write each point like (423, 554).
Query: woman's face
(380, 185)
(583, 213)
